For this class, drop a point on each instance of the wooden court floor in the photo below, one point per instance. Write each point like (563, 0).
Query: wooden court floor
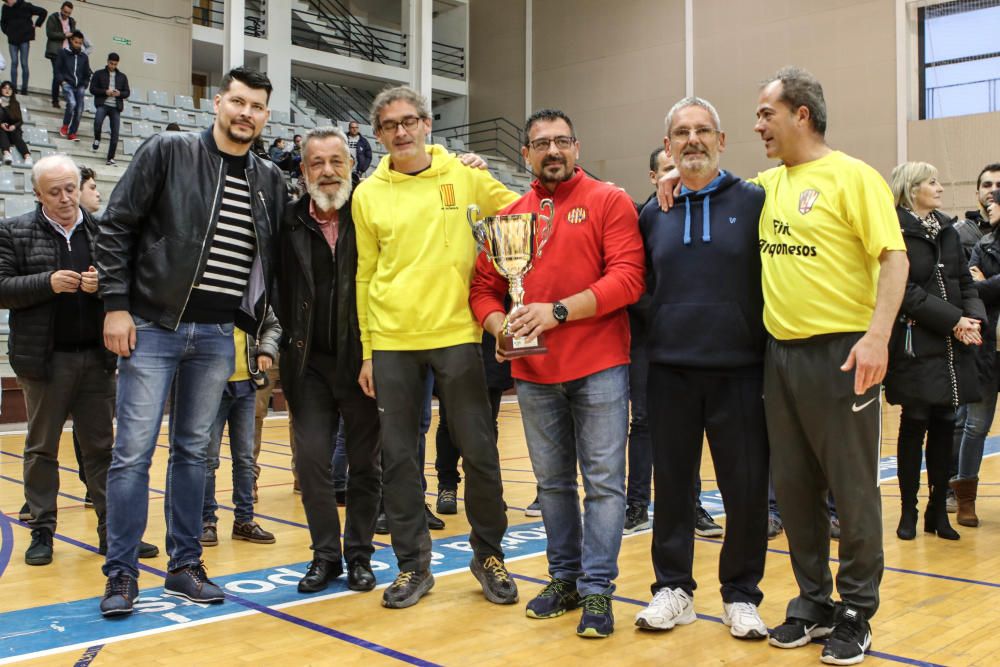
(940, 599)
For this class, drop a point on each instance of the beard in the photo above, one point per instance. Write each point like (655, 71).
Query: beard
(328, 202)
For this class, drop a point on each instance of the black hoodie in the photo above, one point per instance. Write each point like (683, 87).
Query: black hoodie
(703, 271)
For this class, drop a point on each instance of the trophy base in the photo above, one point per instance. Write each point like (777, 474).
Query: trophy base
(517, 346)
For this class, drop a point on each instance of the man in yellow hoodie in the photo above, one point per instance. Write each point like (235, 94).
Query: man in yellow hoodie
(416, 257)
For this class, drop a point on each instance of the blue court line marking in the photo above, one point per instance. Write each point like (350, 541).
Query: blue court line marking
(88, 655)
(716, 619)
(6, 542)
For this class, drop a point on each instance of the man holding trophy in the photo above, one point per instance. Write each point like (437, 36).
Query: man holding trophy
(415, 261)
(573, 387)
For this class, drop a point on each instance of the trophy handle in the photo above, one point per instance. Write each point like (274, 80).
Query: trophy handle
(478, 228)
(545, 230)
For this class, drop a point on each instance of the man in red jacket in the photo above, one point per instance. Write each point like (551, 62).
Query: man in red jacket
(574, 398)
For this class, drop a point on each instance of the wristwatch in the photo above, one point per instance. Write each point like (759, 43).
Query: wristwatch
(560, 312)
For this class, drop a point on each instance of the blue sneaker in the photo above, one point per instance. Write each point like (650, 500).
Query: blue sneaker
(558, 597)
(597, 621)
(192, 582)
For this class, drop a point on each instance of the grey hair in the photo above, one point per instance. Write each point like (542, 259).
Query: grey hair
(48, 163)
(906, 177)
(324, 132)
(799, 88)
(390, 95)
(692, 101)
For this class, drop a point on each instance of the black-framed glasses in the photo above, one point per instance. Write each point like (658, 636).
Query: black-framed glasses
(408, 123)
(562, 143)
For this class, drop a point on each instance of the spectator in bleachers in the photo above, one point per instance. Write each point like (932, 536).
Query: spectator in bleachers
(10, 125)
(109, 86)
(172, 127)
(361, 152)
(16, 23)
(279, 155)
(296, 154)
(58, 29)
(50, 284)
(73, 72)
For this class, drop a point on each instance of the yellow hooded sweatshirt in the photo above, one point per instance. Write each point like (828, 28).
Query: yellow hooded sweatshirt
(416, 253)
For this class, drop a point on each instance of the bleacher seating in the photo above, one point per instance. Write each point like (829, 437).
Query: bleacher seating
(184, 102)
(159, 98)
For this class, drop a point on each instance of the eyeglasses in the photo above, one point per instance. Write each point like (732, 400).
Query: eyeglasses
(390, 126)
(562, 143)
(683, 133)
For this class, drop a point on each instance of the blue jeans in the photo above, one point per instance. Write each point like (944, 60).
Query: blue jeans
(74, 106)
(978, 419)
(197, 359)
(19, 53)
(237, 408)
(583, 421)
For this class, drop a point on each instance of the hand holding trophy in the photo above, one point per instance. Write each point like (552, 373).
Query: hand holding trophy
(511, 243)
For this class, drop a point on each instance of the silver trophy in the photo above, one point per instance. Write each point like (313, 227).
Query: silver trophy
(511, 243)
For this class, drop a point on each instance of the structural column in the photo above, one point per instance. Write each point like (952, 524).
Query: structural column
(421, 37)
(277, 58)
(233, 40)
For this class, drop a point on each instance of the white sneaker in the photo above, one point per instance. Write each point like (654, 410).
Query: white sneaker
(743, 620)
(28, 161)
(669, 607)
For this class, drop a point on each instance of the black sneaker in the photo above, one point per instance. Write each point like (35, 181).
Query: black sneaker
(120, 593)
(849, 641)
(774, 527)
(88, 502)
(447, 502)
(209, 535)
(795, 632)
(558, 597)
(111, 163)
(497, 585)
(704, 526)
(146, 550)
(25, 513)
(636, 519)
(534, 509)
(192, 582)
(40, 550)
(381, 524)
(407, 589)
(433, 522)
(340, 496)
(252, 532)
(94, 146)
(597, 621)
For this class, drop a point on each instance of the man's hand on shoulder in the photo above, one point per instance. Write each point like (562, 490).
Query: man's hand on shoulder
(119, 332)
(473, 161)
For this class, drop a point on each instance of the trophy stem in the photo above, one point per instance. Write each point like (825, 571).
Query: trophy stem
(516, 293)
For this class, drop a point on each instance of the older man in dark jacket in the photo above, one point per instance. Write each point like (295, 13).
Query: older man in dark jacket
(185, 252)
(322, 360)
(48, 280)
(16, 23)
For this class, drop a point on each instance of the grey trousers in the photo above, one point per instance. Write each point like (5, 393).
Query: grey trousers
(824, 437)
(79, 387)
(461, 383)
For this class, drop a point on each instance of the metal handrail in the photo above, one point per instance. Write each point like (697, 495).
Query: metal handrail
(333, 35)
(496, 136)
(992, 93)
(337, 102)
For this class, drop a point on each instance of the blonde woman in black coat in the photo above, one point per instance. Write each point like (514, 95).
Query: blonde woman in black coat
(932, 367)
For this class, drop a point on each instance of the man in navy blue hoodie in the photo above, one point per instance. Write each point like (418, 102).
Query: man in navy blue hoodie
(706, 353)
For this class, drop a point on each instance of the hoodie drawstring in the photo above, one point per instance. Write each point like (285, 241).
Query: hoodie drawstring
(687, 221)
(706, 228)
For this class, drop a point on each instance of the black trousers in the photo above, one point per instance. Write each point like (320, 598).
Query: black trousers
(7, 139)
(317, 409)
(938, 424)
(55, 82)
(82, 388)
(446, 459)
(824, 437)
(684, 406)
(399, 388)
(114, 120)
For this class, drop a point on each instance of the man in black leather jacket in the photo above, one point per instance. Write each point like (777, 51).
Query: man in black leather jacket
(321, 361)
(185, 250)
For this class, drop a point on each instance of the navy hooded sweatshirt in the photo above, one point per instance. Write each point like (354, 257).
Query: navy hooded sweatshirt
(703, 272)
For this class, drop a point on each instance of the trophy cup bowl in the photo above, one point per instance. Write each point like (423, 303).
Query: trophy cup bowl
(511, 243)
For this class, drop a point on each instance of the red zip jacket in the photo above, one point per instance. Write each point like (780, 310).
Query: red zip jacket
(595, 243)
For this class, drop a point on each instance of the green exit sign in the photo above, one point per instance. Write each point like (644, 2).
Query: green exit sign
(122, 40)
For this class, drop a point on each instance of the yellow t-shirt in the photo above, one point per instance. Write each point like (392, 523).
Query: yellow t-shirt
(822, 229)
(242, 371)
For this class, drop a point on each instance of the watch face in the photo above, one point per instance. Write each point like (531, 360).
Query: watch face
(560, 312)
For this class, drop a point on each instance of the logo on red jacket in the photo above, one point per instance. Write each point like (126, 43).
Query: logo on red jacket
(576, 215)
(807, 199)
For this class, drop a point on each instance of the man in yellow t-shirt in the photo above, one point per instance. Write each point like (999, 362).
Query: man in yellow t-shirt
(833, 272)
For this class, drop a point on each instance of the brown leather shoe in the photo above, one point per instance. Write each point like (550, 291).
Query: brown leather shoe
(965, 494)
